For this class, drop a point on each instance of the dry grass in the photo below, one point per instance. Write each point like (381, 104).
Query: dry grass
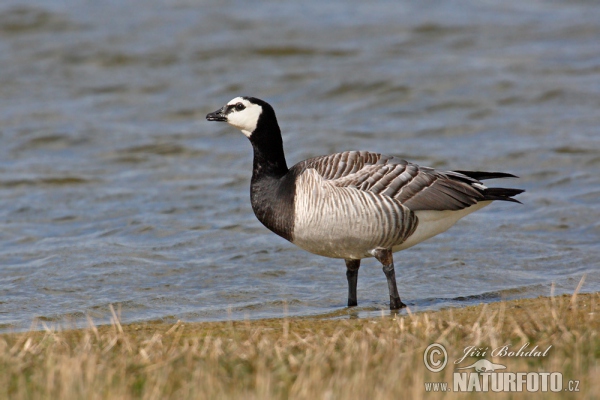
(305, 358)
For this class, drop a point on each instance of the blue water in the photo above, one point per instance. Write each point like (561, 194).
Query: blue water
(115, 190)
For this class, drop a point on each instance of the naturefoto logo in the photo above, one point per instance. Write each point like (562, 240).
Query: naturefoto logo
(485, 366)
(486, 376)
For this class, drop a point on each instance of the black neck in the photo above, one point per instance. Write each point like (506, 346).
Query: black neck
(272, 190)
(269, 160)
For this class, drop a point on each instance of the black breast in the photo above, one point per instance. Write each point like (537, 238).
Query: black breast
(273, 202)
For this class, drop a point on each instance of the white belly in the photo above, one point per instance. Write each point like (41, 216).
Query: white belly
(433, 223)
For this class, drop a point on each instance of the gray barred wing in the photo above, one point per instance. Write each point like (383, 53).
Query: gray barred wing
(415, 187)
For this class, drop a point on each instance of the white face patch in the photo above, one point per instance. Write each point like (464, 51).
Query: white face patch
(245, 119)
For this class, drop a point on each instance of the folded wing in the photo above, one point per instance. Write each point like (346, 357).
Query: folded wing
(415, 187)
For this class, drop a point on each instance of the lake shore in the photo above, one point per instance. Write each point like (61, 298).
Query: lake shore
(376, 358)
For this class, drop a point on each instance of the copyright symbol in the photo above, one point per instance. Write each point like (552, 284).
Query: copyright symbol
(435, 357)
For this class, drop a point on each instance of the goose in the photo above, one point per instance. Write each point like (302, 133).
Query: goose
(355, 204)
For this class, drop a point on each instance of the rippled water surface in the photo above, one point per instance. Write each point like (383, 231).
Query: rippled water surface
(115, 190)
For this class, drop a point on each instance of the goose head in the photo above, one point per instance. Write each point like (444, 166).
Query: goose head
(248, 114)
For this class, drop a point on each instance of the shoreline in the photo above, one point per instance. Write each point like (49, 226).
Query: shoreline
(310, 357)
(81, 321)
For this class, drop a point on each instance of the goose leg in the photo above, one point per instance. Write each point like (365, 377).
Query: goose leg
(352, 267)
(384, 256)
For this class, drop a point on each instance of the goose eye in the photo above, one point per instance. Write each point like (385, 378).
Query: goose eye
(239, 107)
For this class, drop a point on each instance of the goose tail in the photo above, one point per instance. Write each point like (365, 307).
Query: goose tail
(494, 193)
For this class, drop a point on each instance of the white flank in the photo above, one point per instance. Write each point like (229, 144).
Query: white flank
(344, 222)
(433, 223)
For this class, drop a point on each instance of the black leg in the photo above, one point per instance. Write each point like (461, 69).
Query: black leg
(384, 256)
(352, 275)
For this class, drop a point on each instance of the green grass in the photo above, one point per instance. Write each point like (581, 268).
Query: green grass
(304, 358)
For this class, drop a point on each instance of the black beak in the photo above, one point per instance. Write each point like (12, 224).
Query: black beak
(216, 116)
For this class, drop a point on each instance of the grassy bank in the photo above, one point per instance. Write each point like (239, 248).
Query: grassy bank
(306, 358)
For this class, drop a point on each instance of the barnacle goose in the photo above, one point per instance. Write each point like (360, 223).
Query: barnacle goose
(354, 204)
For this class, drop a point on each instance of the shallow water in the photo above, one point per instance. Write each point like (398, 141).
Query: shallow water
(115, 190)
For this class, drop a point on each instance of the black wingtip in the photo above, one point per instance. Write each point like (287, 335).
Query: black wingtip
(482, 175)
(503, 194)
(504, 199)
